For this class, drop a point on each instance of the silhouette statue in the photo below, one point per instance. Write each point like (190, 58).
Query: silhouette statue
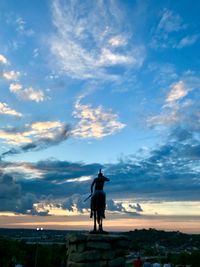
(98, 201)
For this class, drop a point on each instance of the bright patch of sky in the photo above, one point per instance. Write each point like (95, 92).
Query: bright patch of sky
(111, 83)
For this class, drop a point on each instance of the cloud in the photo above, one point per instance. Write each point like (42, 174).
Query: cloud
(14, 138)
(117, 41)
(109, 58)
(180, 106)
(188, 40)
(170, 22)
(178, 91)
(81, 179)
(35, 136)
(11, 75)
(60, 179)
(29, 93)
(3, 59)
(85, 45)
(95, 122)
(6, 110)
(22, 28)
(32, 94)
(19, 170)
(15, 87)
(163, 33)
(123, 207)
(170, 172)
(76, 203)
(12, 198)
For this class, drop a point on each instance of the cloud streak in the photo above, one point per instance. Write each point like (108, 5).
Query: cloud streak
(6, 110)
(85, 45)
(170, 24)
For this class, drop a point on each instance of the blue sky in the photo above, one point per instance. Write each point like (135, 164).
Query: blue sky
(90, 84)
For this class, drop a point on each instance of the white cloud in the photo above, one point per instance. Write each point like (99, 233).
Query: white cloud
(178, 105)
(32, 95)
(45, 125)
(3, 60)
(14, 138)
(84, 44)
(95, 122)
(15, 87)
(117, 41)
(11, 75)
(165, 119)
(178, 91)
(44, 129)
(29, 93)
(187, 41)
(80, 179)
(171, 22)
(33, 132)
(109, 58)
(6, 110)
(22, 28)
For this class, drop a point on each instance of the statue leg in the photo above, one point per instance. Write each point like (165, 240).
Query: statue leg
(101, 224)
(95, 223)
(104, 205)
(91, 207)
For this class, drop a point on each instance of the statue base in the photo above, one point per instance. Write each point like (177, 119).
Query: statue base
(97, 249)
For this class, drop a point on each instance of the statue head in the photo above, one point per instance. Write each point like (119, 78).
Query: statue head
(100, 174)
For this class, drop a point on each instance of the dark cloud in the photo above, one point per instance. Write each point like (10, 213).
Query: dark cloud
(13, 199)
(40, 143)
(76, 203)
(169, 172)
(130, 209)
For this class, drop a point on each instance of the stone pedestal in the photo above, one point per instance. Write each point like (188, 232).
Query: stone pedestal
(97, 250)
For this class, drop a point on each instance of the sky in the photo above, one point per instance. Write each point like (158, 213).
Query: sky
(109, 84)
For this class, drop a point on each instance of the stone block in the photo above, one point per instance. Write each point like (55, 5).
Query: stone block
(99, 245)
(77, 238)
(91, 255)
(98, 237)
(72, 248)
(107, 255)
(86, 264)
(121, 252)
(118, 262)
(81, 247)
(122, 244)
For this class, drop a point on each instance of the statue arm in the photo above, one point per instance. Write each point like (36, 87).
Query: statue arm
(106, 179)
(92, 185)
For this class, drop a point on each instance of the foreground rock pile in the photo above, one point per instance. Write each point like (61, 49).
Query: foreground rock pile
(95, 250)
